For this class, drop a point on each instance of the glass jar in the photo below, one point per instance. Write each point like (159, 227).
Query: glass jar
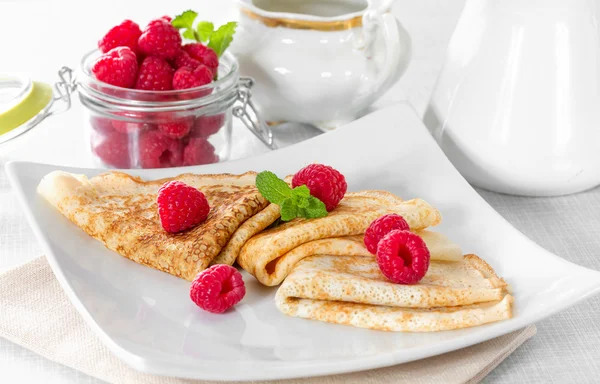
(130, 128)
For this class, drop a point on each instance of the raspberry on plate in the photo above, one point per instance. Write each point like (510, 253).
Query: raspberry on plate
(181, 206)
(114, 150)
(117, 67)
(125, 34)
(205, 126)
(199, 151)
(324, 182)
(159, 151)
(160, 39)
(155, 74)
(381, 227)
(185, 77)
(403, 257)
(176, 129)
(204, 55)
(218, 288)
(183, 59)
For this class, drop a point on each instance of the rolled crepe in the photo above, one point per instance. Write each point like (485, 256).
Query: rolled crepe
(352, 217)
(352, 291)
(273, 272)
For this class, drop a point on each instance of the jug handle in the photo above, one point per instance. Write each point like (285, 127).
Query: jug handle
(397, 45)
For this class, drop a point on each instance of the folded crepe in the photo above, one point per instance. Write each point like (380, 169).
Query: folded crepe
(352, 291)
(249, 228)
(273, 272)
(120, 211)
(266, 255)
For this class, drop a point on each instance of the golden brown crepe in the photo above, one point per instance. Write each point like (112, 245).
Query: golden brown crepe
(352, 291)
(273, 272)
(120, 210)
(251, 227)
(265, 251)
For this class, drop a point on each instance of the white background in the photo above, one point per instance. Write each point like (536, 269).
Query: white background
(38, 37)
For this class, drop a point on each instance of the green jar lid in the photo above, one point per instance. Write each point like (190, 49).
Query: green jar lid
(23, 103)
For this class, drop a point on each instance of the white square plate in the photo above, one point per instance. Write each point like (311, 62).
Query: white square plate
(147, 319)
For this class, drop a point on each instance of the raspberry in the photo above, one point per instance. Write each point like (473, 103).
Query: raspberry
(114, 150)
(403, 257)
(176, 129)
(184, 60)
(101, 124)
(160, 39)
(155, 75)
(159, 151)
(125, 34)
(205, 126)
(218, 288)
(324, 182)
(129, 127)
(185, 77)
(117, 67)
(204, 55)
(199, 151)
(381, 227)
(181, 206)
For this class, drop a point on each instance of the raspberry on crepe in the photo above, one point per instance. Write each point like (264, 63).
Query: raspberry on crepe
(324, 182)
(180, 206)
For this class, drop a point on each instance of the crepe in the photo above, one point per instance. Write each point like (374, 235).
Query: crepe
(251, 227)
(120, 211)
(354, 214)
(273, 272)
(352, 291)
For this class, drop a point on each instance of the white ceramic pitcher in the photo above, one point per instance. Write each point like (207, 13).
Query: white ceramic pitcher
(319, 61)
(517, 105)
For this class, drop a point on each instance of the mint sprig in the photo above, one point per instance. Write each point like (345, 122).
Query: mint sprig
(204, 32)
(222, 37)
(297, 202)
(204, 29)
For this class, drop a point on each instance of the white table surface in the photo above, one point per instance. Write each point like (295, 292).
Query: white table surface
(37, 37)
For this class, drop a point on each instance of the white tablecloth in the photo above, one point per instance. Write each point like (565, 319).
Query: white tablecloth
(39, 36)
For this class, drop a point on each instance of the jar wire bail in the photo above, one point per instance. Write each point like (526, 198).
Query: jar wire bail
(249, 115)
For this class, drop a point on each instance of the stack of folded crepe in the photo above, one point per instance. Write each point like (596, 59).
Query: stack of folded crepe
(327, 272)
(329, 275)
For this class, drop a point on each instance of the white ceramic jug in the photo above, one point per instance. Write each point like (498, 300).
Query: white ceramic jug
(516, 107)
(319, 61)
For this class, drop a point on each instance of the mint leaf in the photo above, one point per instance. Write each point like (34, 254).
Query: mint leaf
(302, 191)
(300, 196)
(222, 37)
(297, 202)
(205, 29)
(273, 188)
(302, 202)
(315, 208)
(185, 20)
(289, 210)
(189, 34)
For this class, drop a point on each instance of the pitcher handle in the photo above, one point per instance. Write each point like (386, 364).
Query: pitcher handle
(397, 44)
